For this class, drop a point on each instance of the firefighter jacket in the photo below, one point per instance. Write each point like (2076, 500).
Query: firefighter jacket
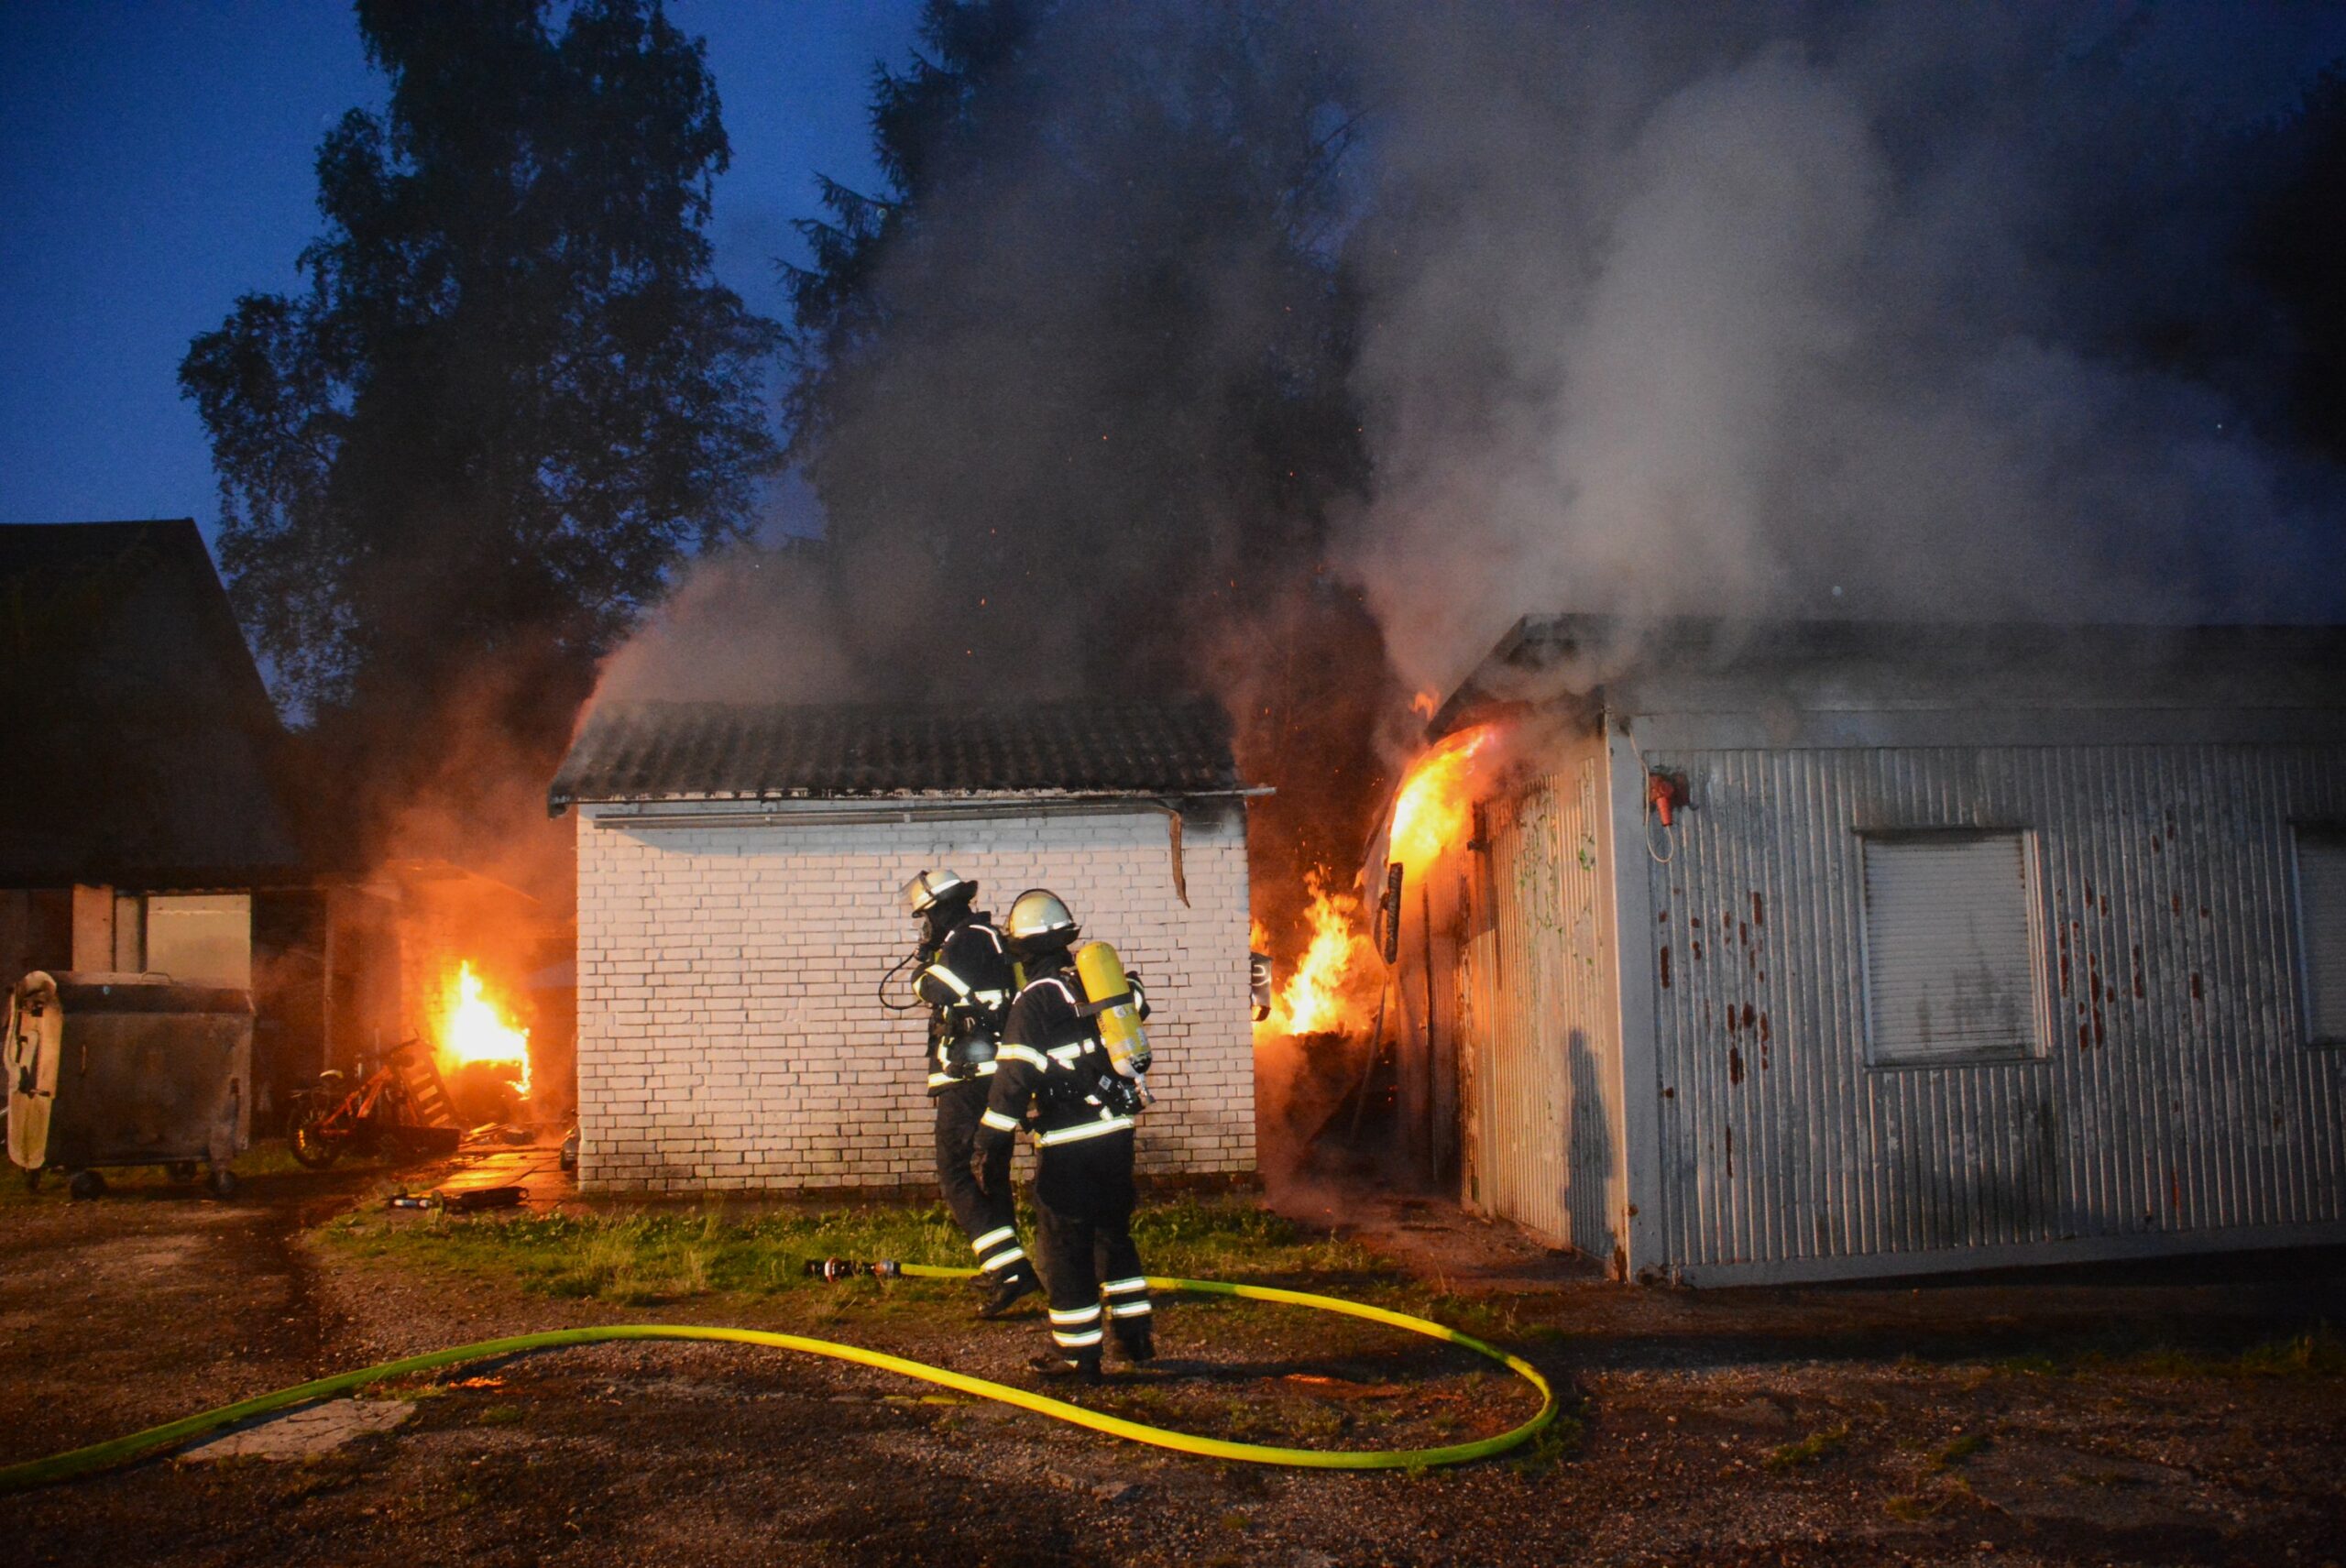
(966, 981)
(1052, 1062)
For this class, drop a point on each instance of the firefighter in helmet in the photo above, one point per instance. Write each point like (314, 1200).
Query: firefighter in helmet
(1053, 1059)
(965, 976)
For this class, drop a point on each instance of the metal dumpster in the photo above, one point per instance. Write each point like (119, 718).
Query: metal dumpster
(117, 1069)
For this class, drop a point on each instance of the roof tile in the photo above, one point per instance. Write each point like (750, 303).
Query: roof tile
(680, 750)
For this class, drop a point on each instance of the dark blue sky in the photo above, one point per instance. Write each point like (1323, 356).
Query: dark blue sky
(156, 162)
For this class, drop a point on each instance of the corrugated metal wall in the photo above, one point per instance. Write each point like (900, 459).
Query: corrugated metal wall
(1540, 1031)
(2175, 1096)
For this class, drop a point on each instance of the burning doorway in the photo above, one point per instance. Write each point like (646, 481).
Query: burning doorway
(478, 971)
(1359, 1064)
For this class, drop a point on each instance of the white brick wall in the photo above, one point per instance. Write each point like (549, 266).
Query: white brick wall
(730, 1035)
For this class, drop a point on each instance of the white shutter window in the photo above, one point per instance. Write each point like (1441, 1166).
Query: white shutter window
(2321, 933)
(201, 938)
(1951, 960)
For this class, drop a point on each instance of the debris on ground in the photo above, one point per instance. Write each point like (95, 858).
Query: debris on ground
(303, 1433)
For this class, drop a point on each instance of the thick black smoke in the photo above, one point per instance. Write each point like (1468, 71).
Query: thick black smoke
(1074, 397)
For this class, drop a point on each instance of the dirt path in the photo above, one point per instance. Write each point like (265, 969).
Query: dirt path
(148, 1303)
(1961, 1423)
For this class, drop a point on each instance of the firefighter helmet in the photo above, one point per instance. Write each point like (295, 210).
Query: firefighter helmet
(1038, 921)
(930, 889)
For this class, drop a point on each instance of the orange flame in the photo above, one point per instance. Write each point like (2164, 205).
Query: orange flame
(1433, 811)
(477, 1032)
(1425, 704)
(1324, 991)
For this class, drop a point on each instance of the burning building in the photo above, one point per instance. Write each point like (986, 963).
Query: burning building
(738, 870)
(1824, 950)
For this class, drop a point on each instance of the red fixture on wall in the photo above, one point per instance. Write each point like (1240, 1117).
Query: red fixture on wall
(1665, 793)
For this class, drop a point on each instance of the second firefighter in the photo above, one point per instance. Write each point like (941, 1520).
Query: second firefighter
(1053, 1060)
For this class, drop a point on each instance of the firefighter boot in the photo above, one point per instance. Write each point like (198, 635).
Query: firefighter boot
(1136, 1340)
(1018, 1282)
(1083, 1365)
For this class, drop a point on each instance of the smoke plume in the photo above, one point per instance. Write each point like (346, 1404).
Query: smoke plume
(1752, 311)
(754, 623)
(1748, 310)
(1286, 347)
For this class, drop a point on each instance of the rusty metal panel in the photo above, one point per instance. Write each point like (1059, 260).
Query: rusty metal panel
(1540, 1031)
(2177, 1102)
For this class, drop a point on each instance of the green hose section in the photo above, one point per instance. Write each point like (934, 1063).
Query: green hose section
(123, 1450)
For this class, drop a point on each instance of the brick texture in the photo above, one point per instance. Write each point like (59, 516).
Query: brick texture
(730, 1036)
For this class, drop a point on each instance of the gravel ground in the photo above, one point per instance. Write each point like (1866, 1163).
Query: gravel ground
(2011, 1422)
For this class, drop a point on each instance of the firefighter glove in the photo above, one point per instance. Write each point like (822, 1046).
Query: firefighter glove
(991, 1166)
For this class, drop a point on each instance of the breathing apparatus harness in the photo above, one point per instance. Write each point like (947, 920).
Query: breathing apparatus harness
(964, 1033)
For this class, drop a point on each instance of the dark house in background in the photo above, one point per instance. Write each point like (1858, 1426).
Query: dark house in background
(148, 824)
(142, 825)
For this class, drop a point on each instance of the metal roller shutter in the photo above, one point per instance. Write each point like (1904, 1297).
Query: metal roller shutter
(2321, 927)
(1950, 950)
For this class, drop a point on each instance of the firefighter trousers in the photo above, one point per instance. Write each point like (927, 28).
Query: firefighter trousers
(1083, 1202)
(988, 1220)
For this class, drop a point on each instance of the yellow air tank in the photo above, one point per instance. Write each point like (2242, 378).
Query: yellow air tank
(1110, 1000)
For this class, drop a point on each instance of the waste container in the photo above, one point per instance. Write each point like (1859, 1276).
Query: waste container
(108, 1069)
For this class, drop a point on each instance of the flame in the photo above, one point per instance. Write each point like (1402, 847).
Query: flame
(1433, 811)
(1323, 992)
(478, 1032)
(1425, 704)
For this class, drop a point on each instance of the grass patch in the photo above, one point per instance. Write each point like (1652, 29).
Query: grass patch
(2318, 1352)
(1232, 1238)
(266, 1157)
(1813, 1449)
(2029, 1365)
(2111, 1478)
(1492, 1318)
(1914, 1510)
(636, 1260)
(1556, 1442)
(1953, 1453)
(643, 1258)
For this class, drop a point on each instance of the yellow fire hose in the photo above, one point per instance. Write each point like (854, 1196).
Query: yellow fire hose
(122, 1449)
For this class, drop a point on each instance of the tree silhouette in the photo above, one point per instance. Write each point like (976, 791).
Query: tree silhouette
(512, 393)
